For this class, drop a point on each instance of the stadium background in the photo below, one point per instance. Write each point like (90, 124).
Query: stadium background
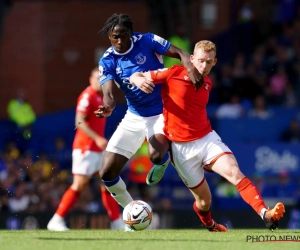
(47, 51)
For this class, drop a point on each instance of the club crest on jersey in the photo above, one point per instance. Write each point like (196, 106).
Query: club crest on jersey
(206, 86)
(140, 59)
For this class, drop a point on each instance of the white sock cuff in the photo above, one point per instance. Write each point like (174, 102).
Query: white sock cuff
(262, 213)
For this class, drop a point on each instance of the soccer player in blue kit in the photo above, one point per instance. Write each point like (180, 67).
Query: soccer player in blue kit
(133, 52)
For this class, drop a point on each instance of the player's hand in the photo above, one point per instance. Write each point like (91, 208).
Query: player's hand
(195, 77)
(145, 85)
(101, 142)
(103, 111)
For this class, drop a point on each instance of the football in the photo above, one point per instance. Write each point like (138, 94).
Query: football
(137, 215)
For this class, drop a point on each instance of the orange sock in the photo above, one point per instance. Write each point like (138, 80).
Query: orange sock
(110, 204)
(251, 195)
(204, 216)
(67, 202)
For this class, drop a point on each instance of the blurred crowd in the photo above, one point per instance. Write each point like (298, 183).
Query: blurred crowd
(269, 76)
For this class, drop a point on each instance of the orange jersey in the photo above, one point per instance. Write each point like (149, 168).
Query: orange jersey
(87, 102)
(185, 115)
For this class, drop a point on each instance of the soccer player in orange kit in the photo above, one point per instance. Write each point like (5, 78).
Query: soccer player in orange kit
(195, 145)
(88, 149)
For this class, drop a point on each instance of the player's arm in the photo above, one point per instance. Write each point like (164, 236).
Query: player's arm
(80, 122)
(194, 74)
(143, 81)
(146, 81)
(109, 102)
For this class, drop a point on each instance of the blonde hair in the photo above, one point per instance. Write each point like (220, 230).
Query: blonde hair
(206, 46)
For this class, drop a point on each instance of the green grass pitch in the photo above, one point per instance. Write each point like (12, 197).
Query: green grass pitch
(145, 240)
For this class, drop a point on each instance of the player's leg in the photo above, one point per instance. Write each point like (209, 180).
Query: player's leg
(158, 149)
(67, 202)
(110, 204)
(188, 163)
(84, 165)
(221, 160)
(112, 208)
(125, 141)
(110, 175)
(201, 207)
(227, 167)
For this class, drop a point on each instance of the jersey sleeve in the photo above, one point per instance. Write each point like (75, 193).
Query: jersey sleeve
(158, 44)
(160, 75)
(106, 66)
(84, 103)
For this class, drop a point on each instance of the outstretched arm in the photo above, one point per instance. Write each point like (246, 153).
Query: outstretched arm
(143, 81)
(195, 77)
(108, 89)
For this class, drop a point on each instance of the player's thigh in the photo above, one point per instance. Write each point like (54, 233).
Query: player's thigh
(213, 148)
(154, 125)
(227, 166)
(219, 158)
(85, 163)
(128, 137)
(187, 161)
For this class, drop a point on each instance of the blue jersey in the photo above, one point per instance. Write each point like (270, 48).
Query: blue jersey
(144, 55)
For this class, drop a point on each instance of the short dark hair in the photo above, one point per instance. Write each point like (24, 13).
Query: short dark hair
(117, 19)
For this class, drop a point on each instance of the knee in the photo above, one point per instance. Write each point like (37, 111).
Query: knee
(156, 157)
(79, 186)
(158, 148)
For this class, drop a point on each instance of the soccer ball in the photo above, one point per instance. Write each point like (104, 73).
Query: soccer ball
(137, 215)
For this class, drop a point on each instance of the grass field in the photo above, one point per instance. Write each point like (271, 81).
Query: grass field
(145, 240)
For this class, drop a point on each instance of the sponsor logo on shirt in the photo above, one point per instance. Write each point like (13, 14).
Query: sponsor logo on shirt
(160, 40)
(118, 70)
(140, 59)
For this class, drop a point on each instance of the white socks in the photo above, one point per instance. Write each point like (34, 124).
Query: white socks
(119, 192)
(262, 213)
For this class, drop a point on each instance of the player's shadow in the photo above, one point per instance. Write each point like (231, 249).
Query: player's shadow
(128, 239)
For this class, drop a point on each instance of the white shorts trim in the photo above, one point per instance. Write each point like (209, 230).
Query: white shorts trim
(132, 131)
(86, 163)
(190, 157)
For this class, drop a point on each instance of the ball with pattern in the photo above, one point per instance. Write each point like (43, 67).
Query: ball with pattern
(137, 215)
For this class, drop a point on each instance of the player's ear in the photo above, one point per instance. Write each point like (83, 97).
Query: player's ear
(215, 61)
(192, 58)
